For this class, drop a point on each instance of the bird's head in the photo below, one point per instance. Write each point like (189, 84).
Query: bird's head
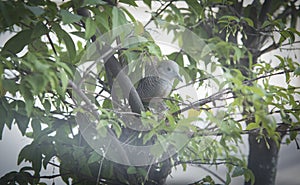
(169, 70)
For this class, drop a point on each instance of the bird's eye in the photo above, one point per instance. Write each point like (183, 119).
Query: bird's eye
(169, 69)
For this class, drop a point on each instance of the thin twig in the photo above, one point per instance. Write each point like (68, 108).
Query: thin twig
(213, 173)
(297, 144)
(218, 95)
(100, 166)
(273, 46)
(51, 176)
(51, 43)
(268, 75)
(288, 44)
(91, 107)
(198, 80)
(204, 101)
(290, 49)
(158, 13)
(202, 162)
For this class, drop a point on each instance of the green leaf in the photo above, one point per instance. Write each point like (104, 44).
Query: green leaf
(130, 16)
(36, 159)
(171, 119)
(252, 126)
(154, 49)
(237, 53)
(48, 157)
(148, 3)
(63, 35)
(131, 170)
(79, 34)
(47, 106)
(65, 67)
(95, 157)
(133, 42)
(25, 153)
(142, 171)
(265, 24)
(93, 2)
(37, 46)
(68, 17)
(10, 85)
(293, 30)
(118, 17)
(9, 118)
(250, 56)
(148, 136)
(129, 2)
(29, 100)
(259, 91)
(17, 42)
(64, 79)
(205, 51)
(86, 170)
(213, 67)
(31, 153)
(195, 6)
(293, 135)
(249, 21)
(297, 71)
(286, 34)
(38, 82)
(102, 130)
(228, 178)
(29, 105)
(230, 18)
(39, 30)
(248, 174)
(107, 104)
(280, 58)
(90, 28)
(36, 126)
(37, 11)
(177, 57)
(238, 171)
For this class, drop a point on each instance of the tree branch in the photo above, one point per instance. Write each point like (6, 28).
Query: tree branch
(266, 76)
(204, 101)
(200, 162)
(112, 64)
(218, 95)
(264, 10)
(127, 87)
(51, 43)
(90, 106)
(51, 176)
(268, 49)
(159, 12)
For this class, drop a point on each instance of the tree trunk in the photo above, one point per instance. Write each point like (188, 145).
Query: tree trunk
(262, 157)
(262, 160)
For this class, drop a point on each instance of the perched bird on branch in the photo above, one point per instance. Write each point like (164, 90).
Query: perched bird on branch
(153, 88)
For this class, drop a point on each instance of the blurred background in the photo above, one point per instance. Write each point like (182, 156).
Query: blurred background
(288, 171)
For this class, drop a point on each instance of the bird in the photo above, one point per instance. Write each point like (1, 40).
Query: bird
(153, 88)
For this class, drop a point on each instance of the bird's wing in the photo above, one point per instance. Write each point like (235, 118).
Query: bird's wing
(153, 87)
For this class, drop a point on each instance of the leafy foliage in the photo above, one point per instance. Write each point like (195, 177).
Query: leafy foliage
(48, 40)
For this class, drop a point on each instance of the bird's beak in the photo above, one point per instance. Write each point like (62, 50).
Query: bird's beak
(179, 78)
